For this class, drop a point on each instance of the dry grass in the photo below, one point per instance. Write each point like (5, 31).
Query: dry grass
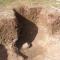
(49, 3)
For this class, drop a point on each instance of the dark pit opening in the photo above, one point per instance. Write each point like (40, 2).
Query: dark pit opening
(3, 52)
(26, 31)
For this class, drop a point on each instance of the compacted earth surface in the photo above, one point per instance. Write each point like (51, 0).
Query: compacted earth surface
(29, 31)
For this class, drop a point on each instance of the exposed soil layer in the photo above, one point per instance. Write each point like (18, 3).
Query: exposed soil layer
(30, 33)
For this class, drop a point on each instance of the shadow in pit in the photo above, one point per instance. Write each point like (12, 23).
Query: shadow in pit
(3, 52)
(26, 31)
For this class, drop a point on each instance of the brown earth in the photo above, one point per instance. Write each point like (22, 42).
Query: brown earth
(35, 25)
